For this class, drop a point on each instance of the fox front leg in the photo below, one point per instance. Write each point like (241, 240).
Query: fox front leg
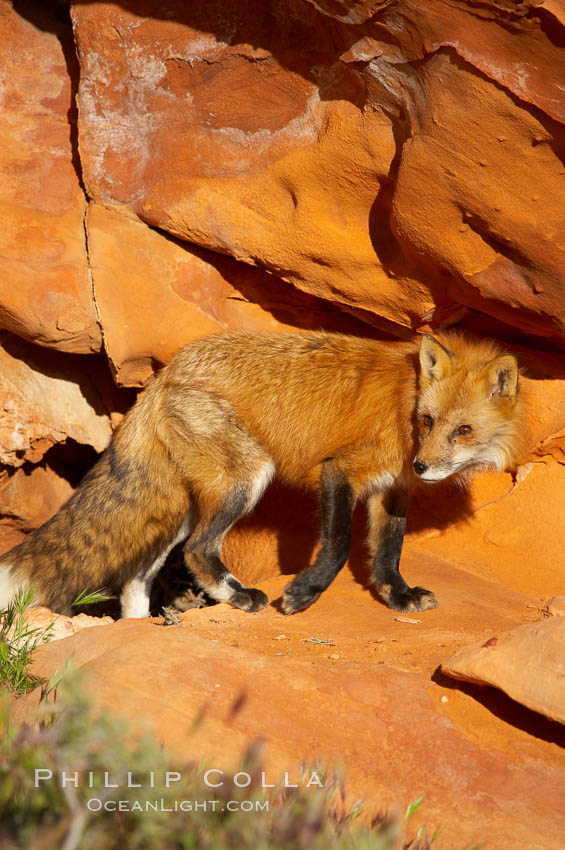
(387, 523)
(337, 503)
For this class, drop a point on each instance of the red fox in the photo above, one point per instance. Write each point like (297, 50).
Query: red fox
(358, 419)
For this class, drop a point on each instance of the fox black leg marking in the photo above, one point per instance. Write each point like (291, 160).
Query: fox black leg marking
(337, 509)
(388, 523)
(202, 553)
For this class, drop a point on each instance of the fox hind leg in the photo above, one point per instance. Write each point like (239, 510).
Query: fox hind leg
(337, 502)
(387, 523)
(202, 552)
(226, 471)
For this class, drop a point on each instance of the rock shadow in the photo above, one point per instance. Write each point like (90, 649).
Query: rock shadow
(507, 709)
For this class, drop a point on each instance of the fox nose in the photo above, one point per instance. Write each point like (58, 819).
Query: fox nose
(420, 467)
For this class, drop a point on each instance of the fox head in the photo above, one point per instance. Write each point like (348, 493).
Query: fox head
(467, 406)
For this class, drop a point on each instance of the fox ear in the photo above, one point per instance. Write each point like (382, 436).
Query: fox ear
(501, 376)
(435, 360)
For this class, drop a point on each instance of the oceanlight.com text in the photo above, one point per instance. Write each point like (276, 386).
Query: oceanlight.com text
(95, 804)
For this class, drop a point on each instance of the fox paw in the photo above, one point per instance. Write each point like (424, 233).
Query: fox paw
(411, 599)
(298, 595)
(249, 599)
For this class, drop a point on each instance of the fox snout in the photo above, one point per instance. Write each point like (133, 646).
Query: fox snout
(435, 471)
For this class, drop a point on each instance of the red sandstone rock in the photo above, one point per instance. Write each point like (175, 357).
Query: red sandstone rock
(515, 537)
(9, 536)
(554, 607)
(293, 144)
(495, 227)
(527, 663)
(323, 232)
(514, 45)
(45, 398)
(138, 278)
(374, 710)
(44, 289)
(290, 187)
(543, 387)
(59, 626)
(28, 498)
(209, 70)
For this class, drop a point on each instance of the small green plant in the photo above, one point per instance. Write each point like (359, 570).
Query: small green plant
(93, 598)
(19, 640)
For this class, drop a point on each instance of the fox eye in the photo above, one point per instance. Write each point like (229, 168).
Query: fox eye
(427, 420)
(464, 430)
